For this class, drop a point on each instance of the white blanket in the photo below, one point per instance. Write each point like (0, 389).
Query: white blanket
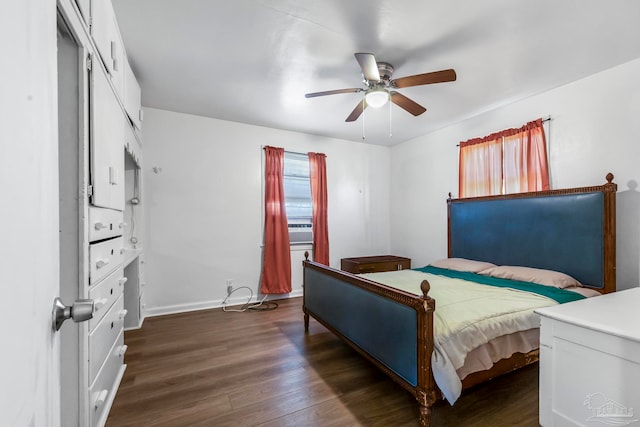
(467, 316)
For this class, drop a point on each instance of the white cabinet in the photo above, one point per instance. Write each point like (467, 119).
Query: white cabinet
(105, 294)
(104, 257)
(590, 361)
(105, 344)
(106, 35)
(85, 9)
(94, 351)
(132, 96)
(107, 144)
(134, 273)
(104, 335)
(103, 389)
(105, 223)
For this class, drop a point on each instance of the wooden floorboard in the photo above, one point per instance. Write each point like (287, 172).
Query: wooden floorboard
(259, 368)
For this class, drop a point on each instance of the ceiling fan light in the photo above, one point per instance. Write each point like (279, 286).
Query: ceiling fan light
(377, 98)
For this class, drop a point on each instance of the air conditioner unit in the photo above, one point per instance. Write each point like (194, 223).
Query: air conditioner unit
(299, 234)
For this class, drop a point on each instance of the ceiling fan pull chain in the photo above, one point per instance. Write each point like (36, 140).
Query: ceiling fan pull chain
(363, 115)
(390, 133)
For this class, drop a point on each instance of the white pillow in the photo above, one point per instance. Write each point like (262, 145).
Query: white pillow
(462, 264)
(552, 278)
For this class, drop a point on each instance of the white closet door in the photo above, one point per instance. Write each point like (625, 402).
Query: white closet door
(132, 96)
(107, 144)
(85, 9)
(106, 34)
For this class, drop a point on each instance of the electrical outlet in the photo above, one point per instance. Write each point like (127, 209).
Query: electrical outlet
(229, 286)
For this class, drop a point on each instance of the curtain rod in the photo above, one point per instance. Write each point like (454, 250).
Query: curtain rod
(546, 119)
(290, 152)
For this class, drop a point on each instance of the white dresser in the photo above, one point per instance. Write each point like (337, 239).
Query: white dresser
(106, 346)
(590, 361)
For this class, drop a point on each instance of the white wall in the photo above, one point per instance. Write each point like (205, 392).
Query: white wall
(203, 211)
(594, 130)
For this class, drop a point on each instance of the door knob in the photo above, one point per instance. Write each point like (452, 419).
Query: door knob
(79, 311)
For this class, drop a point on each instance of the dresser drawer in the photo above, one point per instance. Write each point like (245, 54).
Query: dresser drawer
(105, 223)
(101, 392)
(101, 339)
(105, 257)
(104, 294)
(375, 264)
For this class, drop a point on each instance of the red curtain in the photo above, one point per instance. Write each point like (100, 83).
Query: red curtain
(276, 264)
(318, 178)
(480, 166)
(510, 161)
(525, 159)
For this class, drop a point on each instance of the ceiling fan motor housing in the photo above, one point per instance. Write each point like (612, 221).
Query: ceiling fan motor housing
(386, 70)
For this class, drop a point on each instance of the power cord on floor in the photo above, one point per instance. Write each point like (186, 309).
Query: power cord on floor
(258, 306)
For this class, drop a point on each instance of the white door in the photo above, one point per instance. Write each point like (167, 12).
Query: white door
(29, 253)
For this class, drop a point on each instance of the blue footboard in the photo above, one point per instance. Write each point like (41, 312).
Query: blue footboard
(383, 328)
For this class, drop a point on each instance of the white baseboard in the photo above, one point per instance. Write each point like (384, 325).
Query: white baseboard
(207, 305)
(138, 326)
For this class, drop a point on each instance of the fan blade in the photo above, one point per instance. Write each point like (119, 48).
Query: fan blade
(425, 79)
(369, 66)
(333, 92)
(407, 104)
(357, 111)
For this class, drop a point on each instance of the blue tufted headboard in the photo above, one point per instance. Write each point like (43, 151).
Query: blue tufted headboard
(572, 231)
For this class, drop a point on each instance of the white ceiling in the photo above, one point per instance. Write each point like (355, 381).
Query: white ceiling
(252, 61)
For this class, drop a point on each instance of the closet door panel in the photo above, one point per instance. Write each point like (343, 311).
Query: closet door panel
(107, 146)
(106, 34)
(101, 31)
(117, 152)
(132, 96)
(118, 62)
(85, 9)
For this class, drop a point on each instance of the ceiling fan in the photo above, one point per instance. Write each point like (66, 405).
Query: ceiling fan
(380, 87)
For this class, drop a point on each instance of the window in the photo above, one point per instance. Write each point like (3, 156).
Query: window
(297, 193)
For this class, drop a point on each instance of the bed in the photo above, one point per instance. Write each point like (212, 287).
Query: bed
(571, 231)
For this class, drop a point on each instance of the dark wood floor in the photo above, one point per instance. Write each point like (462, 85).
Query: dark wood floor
(211, 368)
